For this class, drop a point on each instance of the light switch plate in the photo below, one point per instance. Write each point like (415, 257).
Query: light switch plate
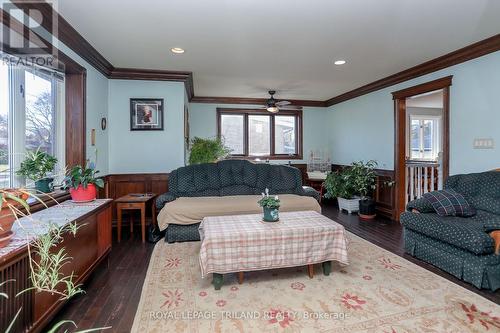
(484, 143)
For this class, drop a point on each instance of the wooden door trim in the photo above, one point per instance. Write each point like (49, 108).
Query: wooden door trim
(400, 134)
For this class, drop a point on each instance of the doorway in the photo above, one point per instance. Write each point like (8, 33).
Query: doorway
(421, 154)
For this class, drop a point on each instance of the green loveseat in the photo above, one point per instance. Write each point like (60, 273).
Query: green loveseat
(460, 246)
(227, 178)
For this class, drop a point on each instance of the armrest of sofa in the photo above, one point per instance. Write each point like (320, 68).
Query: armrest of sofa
(420, 206)
(161, 200)
(310, 192)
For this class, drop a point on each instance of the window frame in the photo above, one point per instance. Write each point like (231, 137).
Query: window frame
(435, 136)
(272, 156)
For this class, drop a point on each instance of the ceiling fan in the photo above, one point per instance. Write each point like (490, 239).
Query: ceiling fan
(273, 105)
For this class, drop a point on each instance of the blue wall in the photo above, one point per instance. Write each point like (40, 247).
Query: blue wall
(363, 128)
(145, 151)
(203, 123)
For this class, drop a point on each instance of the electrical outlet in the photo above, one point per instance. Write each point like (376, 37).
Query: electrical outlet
(484, 143)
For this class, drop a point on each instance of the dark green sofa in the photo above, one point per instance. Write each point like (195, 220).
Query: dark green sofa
(460, 246)
(229, 177)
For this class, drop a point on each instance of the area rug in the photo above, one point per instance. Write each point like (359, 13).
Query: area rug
(377, 292)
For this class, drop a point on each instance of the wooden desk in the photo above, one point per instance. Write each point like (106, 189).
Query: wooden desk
(137, 201)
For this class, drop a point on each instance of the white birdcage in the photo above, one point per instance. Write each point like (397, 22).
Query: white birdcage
(318, 165)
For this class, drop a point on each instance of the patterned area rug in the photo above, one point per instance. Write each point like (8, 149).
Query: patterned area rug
(377, 292)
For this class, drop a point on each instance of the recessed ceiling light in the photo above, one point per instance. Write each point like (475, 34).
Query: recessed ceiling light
(339, 62)
(177, 50)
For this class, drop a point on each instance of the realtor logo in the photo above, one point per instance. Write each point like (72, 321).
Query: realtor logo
(28, 27)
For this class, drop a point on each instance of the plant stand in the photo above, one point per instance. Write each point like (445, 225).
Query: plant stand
(349, 205)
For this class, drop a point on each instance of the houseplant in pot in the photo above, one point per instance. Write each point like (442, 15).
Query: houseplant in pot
(270, 206)
(38, 166)
(340, 184)
(207, 150)
(11, 201)
(82, 182)
(364, 183)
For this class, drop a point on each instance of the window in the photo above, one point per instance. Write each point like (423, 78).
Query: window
(260, 134)
(31, 117)
(424, 138)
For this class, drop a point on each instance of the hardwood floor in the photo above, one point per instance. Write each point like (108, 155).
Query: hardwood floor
(113, 293)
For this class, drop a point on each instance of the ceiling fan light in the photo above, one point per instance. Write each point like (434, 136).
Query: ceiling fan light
(272, 109)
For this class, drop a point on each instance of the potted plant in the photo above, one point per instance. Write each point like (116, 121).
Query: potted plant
(82, 182)
(37, 166)
(365, 182)
(207, 150)
(351, 185)
(270, 205)
(10, 202)
(339, 184)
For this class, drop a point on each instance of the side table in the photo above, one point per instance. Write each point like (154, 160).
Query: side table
(133, 201)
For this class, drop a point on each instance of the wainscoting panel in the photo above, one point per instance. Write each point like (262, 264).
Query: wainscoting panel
(118, 185)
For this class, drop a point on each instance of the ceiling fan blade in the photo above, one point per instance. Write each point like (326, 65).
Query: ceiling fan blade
(291, 107)
(283, 103)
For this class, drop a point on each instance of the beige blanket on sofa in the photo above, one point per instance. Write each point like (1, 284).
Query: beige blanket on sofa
(193, 210)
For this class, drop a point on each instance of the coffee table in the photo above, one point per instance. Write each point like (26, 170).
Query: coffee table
(243, 243)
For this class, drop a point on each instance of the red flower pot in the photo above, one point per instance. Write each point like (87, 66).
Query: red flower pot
(82, 194)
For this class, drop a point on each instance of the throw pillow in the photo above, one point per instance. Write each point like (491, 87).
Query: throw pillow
(449, 203)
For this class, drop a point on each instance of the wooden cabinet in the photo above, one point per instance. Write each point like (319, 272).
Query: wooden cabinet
(87, 249)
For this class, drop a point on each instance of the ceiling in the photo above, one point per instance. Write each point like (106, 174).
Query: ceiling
(244, 48)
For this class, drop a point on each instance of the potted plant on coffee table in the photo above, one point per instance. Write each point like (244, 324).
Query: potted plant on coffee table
(270, 206)
(365, 183)
(38, 166)
(82, 182)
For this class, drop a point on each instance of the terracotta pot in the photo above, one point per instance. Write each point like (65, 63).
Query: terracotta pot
(7, 219)
(82, 194)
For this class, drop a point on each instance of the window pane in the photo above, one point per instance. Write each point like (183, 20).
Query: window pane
(232, 132)
(427, 127)
(4, 125)
(284, 135)
(259, 137)
(40, 124)
(415, 139)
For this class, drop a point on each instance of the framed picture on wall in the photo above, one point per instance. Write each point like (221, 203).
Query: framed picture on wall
(146, 114)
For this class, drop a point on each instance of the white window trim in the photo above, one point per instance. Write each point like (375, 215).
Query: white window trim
(436, 136)
(17, 122)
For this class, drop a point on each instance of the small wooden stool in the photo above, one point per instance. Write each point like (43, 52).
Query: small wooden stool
(137, 201)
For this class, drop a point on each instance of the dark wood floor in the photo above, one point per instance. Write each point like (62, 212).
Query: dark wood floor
(113, 293)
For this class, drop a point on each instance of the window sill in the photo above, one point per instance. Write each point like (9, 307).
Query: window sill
(48, 200)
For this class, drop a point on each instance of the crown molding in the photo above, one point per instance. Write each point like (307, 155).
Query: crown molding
(476, 50)
(423, 88)
(68, 35)
(155, 75)
(252, 101)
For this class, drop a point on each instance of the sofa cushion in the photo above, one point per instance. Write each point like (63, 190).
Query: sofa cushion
(465, 233)
(482, 190)
(198, 180)
(279, 179)
(421, 205)
(237, 172)
(188, 211)
(449, 203)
